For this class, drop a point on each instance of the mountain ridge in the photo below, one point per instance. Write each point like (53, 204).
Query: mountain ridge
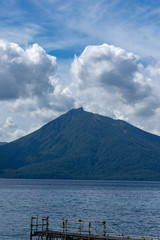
(83, 145)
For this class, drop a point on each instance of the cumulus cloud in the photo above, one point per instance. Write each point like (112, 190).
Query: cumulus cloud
(24, 73)
(29, 84)
(28, 80)
(113, 69)
(109, 80)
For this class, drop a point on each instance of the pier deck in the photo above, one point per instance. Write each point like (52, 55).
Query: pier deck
(68, 229)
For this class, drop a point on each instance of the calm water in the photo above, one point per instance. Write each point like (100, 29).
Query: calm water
(128, 207)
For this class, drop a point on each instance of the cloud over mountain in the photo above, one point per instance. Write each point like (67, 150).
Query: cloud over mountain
(104, 79)
(28, 81)
(110, 77)
(29, 84)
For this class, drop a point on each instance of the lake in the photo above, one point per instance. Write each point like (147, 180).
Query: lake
(131, 208)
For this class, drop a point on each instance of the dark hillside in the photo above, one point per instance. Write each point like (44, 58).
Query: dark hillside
(2, 143)
(83, 145)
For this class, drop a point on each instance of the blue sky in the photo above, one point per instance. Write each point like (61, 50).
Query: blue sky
(99, 54)
(67, 27)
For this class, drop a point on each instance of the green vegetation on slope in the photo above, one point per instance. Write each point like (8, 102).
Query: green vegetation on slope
(82, 145)
(2, 143)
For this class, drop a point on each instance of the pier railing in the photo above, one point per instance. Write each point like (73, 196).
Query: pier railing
(44, 228)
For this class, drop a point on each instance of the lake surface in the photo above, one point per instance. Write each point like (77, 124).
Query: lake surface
(131, 208)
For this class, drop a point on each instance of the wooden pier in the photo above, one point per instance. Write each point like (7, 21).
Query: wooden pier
(42, 228)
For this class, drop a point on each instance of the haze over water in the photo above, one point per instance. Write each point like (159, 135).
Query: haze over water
(131, 208)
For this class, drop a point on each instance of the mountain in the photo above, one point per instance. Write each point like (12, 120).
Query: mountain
(2, 143)
(83, 145)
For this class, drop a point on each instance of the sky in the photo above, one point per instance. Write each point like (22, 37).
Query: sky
(56, 55)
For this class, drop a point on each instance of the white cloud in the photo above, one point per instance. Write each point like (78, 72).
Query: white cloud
(22, 35)
(28, 85)
(108, 80)
(154, 69)
(7, 136)
(17, 134)
(28, 81)
(9, 123)
(24, 73)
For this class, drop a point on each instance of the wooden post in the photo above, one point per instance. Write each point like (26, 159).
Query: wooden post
(80, 226)
(104, 223)
(37, 224)
(63, 224)
(66, 225)
(89, 228)
(31, 228)
(42, 223)
(47, 224)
